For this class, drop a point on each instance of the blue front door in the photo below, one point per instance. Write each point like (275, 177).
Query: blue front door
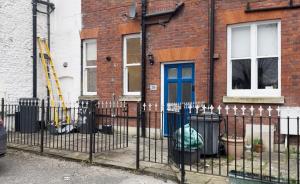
(178, 86)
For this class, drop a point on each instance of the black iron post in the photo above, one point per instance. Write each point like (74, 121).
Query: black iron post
(49, 44)
(48, 23)
(182, 143)
(90, 113)
(212, 52)
(42, 126)
(81, 67)
(144, 45)
(34, 48)
(138, 136)
(127, 119)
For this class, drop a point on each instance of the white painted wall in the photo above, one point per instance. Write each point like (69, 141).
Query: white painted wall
(65, 44)
(16, 47)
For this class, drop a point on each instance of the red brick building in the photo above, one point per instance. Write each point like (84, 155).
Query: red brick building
(256, 51)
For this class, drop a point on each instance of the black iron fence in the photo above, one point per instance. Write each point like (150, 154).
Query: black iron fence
(243, 143)
(88, 126)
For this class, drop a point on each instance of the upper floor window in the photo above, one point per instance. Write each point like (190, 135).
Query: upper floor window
(132, 64)
(90, 67)
(254, 59)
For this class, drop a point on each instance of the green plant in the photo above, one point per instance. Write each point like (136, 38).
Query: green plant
(257, 141)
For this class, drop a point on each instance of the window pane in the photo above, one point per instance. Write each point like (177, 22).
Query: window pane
(267, 40)
(187, 72)
(91, 79)
(240, 42)
(172, 73)
(91, 51)
(133, 50)
(172, 92)
(268, 73)
(134, 79)
(241, 74)
(187, 92)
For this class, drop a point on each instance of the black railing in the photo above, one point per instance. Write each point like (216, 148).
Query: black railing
(88, 127)
(254, 143)
(243, 143)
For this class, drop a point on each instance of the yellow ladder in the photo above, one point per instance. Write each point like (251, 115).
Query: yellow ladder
(43, 45)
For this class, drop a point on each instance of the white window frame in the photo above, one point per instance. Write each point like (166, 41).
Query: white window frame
(254, 91)
(125, 65)
(85, 42)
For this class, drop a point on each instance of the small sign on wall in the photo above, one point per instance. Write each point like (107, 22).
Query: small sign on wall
(153, 87)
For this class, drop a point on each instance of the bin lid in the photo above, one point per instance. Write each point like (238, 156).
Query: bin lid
(207, 116)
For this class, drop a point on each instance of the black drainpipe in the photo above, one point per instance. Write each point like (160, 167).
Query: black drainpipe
(212, 52)
(81, 66)
(48, 23)
(49, 34)
(34, 48)
(144, 45)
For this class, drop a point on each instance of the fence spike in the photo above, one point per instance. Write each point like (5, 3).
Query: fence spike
(204, 108)
(235, 109)
(144, 106)
(190, 108)
(168, 106)
(219, 109)
(278, 111)
(260, 110)
(150, 106)
(243, 110)
(211, 109)
(227, 109)
(178, 107)
(197, 109)
(252, 110)
(270, 110)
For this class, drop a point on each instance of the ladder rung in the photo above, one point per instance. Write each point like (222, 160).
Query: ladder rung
(45, 55)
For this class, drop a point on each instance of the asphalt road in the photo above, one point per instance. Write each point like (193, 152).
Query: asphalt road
(26, 168)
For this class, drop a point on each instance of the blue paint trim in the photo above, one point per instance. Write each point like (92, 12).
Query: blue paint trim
(179, 82)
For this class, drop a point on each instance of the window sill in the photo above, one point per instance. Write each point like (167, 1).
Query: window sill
(88, 97)
(254, 100)
(130, 98)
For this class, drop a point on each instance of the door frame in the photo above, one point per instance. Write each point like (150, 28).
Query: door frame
(162, 86)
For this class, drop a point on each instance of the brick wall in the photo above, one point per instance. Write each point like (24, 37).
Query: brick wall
(186, 38)
(232, 12)
(187, 34)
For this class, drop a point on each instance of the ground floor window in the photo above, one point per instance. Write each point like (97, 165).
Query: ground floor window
(254, 59)
(90, 67)
(132, 64)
